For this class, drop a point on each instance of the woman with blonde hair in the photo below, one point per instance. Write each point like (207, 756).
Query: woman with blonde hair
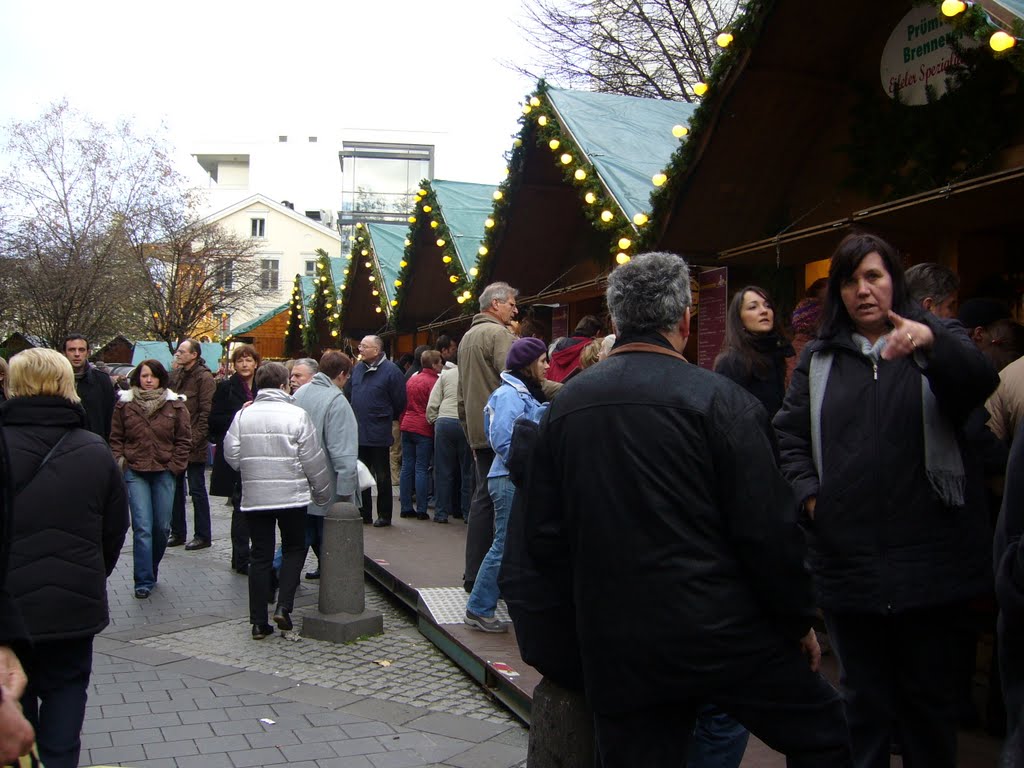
(69, 517)
(151, 438)
(3, 380)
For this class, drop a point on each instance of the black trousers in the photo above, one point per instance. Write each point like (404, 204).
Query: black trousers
(239, 532)
(196, 474)
(377, 459)
(899, 669)
(791, 709)
(292, 524)
(480, 533)
(54, 700)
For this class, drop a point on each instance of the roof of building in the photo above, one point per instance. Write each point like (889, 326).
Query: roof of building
(388, 249)
(251, 325)
(274, 206)
(464, 208)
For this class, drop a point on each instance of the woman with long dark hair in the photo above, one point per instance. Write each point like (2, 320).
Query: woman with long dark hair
(871, 438)
(755, 350)
(151, 437)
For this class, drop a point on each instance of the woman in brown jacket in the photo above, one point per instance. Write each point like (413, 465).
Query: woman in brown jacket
(151, 438)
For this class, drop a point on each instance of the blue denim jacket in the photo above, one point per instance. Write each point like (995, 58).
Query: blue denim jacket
(509, 402)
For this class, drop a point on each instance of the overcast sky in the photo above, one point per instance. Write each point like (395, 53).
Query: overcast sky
(225, 70)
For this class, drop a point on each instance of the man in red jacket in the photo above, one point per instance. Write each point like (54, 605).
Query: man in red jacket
(418, 437)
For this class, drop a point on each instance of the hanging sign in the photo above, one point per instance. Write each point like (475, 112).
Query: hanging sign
(714, 299)
(917, 55)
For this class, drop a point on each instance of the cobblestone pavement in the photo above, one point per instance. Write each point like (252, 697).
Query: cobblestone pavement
(178, 682)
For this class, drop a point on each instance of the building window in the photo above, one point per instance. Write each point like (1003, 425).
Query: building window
(282, 139)
(310, 267)
(259, 227)
(269, 274)
(224, 276)
(312, 139)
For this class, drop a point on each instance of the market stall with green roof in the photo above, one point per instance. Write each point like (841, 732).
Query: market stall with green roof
(576, 198)
(446, 231)
(903, 118)
(370, 273)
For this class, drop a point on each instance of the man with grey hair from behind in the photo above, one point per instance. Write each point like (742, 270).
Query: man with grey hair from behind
(935, 287)
(685, 517)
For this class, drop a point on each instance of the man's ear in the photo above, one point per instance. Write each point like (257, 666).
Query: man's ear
(684, 325)
(927, 302)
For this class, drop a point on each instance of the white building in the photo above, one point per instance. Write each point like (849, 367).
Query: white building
(288, 242)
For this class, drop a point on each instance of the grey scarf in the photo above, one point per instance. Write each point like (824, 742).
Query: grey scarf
(943, 463)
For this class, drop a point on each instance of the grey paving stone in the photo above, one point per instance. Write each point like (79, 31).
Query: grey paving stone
(431, 747)
(349, 761)
(205, 761)
(160, 720)
(457, 727)
(514, 737)
(237, 726)
(171, 749)
(272, 738)
(106, 724)
(256, 681)
(222, 744)
(99, 699)
(147, 696)
(126, 710)
(388, 711)
(244, 713)
(367, 746)
(204, 716)
(152, 656)
(322, 733)
(136, 676)
(172, 705)
(316, 751)
(104, 644)
(218, 702)
(488, 755)
(321, 697)
(137, 736)
(401, 759)
(254, 757)
(360, 730)
(163, 762)
(129, 687)
(93, 740)
(191, 731)
(107, 755)
(205, 670)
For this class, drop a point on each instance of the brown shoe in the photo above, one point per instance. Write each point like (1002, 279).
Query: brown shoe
(197, 543)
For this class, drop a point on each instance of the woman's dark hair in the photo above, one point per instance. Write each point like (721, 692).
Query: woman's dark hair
(246, 350)
(740, 341)
(155, 367)
(270, 376)
(847, 257)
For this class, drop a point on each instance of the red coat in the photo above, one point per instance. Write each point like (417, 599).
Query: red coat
(417, 390)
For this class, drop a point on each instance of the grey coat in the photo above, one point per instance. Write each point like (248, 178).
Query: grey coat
(336, 427)
(274, 446)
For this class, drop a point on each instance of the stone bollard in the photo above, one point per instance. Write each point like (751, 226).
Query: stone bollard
(561, 729)
(343, 616)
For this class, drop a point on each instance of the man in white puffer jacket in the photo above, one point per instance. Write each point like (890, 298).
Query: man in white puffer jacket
(273, 444)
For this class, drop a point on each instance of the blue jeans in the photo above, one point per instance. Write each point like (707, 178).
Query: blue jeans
(417, 451)
(483, 600)
(452, 460)
(718, 740)
(151, 497)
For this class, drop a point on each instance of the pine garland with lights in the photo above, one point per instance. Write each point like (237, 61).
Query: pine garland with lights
(362, 252)
(428, 218)
(293, 336)
(321, 326)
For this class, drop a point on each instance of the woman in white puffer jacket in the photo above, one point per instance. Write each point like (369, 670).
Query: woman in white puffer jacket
(274, 446)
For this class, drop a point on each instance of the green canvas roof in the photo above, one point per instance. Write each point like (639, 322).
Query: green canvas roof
(255, 323)
(464, 208)
(1016, 7)
(338, 265)
(627, 139)
(157, 350)
(388, 247)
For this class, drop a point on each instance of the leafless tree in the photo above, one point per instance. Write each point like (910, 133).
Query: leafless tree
(197, 271)
(652, 48)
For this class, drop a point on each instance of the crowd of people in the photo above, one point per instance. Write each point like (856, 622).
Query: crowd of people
(841, 478)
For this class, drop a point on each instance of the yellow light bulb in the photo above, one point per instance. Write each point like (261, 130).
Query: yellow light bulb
(367, 264)
(453, 279)
(375, 292)
(679, 131)
(473, 271)
(517, 143)
(488, 222)
(301, 326)
(607, 215)
(446, 259)
(378, 310)
(359, 239)
(566, 158)
(659, 179)
(440, 242)
(497, 194)
(433, 225)
(580, 174)
(1000, 41)
(408, 242)
(507, 171)
(465, 294)
(372, 278)
(359, 225)
(640, 219)
(422, 193)
(348, 256)
(724, 40)
(334, 332)
(398, 283)
(624, 243)
(527, 109)
(590, 197)
(622, 258)
(394, 302)
(554, 144)
(953, 7)
(460, 299)
(542, 120)
(427, 209)
(403, 264)
(482, 250)
(346, 270)
(412, 219)
(534, 101)
(364, 252)
(699, 89)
